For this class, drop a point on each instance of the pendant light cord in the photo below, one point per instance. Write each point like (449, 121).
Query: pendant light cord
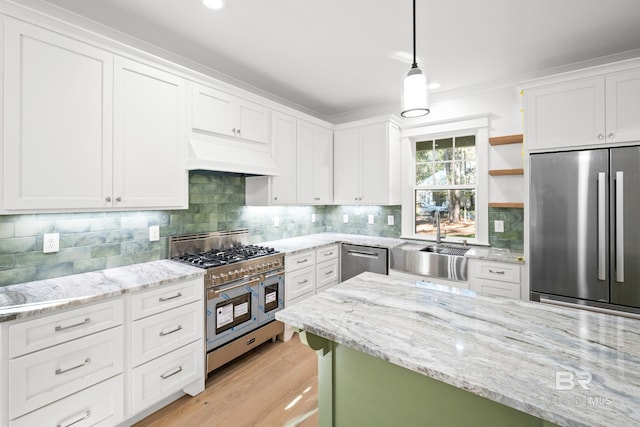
(415, 64)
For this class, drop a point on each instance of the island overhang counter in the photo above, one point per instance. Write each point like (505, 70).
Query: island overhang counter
(396, 352)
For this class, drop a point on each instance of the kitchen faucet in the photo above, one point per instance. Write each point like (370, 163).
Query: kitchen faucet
(436, 219)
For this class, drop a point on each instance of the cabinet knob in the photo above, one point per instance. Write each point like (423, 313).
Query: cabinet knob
(118, 199)
(238, 131)
(233, 130)
(275, 198)
(610, 136)
(108, 199)
(600, 136)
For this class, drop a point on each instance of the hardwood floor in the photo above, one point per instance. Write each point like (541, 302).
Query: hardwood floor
(276, 385)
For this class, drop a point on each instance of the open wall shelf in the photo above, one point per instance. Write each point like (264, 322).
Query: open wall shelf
(515, 205)
(504, 140)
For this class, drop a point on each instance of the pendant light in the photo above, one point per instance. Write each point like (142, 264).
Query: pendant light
(414, 86)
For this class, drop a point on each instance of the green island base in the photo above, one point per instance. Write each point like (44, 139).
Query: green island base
(356, 389)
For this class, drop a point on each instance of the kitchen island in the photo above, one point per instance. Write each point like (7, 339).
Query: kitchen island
(395, 352)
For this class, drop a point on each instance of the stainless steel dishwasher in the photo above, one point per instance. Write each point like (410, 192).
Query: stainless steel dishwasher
(357, 259)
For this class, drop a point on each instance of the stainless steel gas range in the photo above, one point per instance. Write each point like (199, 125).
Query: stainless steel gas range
(244, 287)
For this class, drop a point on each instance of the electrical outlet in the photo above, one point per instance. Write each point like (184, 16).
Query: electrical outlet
(154, 233)
(51, 243)
(345, 218)
(391, 220)
(276, 221)
(370, 221)
(313, 217)
(499, 226)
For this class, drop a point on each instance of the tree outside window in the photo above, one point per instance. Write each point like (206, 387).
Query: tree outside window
(446, 183)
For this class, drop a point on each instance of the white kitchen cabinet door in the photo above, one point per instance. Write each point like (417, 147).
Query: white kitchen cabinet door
(213, 111)
(280, 189)
(565, 115)
(367, 165)
(150, 137)
(218, 112)
(252, 121)
(314, 164)
(57, 120)
(623, 106)
(347, 166)
(379, 164)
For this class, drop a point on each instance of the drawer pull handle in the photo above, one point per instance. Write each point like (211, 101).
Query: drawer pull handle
(75, 325)
(302, 261)
(163, 299)
(163, 334)
(496, 271)
(169, 374)
(83, 417)
(328, 254)
(303, 282)
(63, 371)
(328, 273)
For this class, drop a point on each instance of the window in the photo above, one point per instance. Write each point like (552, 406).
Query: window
(446, 186)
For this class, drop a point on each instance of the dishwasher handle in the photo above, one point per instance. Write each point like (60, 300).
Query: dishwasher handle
(364, 254)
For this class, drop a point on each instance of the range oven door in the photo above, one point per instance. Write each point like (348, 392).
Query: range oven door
(232, 310)
(271, 297)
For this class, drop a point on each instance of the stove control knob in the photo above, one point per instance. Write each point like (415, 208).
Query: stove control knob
(252, 270)
(276, 263)
(269, 265)
(214, 279)
(260, 267)
(223, 277)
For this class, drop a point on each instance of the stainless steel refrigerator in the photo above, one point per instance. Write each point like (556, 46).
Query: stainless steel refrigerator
(585, 227)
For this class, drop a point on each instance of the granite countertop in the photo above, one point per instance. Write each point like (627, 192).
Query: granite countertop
(315, 241)
(505, 350)
(44, 296)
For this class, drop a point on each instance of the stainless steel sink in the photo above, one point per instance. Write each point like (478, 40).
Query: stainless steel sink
(444, 261)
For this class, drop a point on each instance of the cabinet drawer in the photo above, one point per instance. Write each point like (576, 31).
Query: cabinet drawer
(299, 283)
(325, 254)
(327, 273)
(298, 261)
(159, 334)
(166, 297)
(100, 405)
(501, 289)
(502, 272)
(162, 377)
(40, 378)
(36, 334)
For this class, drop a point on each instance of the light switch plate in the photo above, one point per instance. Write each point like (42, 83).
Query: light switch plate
(276, 221)
(51, 243)
(154, 233)
(499, 226)
(313, 217)
(391, 220)
(370, 221)
(345, 218)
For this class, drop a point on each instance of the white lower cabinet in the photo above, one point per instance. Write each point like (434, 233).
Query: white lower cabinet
(162, 377)
(495, 278)
(300, 276)
(104, 364)
(99, 405)
(327, 267)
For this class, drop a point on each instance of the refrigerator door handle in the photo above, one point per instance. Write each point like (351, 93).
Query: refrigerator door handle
(602, 249)
(619, 226)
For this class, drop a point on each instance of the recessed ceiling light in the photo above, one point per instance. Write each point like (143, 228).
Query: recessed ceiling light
(214, 4)
(434, 85)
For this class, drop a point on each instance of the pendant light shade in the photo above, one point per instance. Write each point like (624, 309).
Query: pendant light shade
(415, 100)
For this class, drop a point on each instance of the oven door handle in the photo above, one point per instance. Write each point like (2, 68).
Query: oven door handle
(277, 273)
(213, 293)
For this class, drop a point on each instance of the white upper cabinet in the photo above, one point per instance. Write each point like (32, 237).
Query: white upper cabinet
(582, 112)
(81, 136)
(150, 137)
(57, 121)
(623, 106)
(280, 189)
(314, 164)
(219, 112)
(367, 164)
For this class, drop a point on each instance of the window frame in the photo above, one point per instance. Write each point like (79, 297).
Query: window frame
(477, 126)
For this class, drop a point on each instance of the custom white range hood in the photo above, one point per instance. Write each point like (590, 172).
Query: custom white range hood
(230, 155)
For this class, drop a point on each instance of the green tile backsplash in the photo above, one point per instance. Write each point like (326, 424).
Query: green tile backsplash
(99, 240)
(513, 235)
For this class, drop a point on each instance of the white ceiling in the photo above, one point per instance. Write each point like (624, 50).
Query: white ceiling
(332, 57)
